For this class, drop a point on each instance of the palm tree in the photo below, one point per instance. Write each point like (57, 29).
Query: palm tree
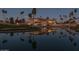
(11, 20)
(47, 17)
(4, 12)
(61, 18)
(71, 14)
(21, 14)
(40, 16)
(34, 12)
(30, 15)
(75, 10)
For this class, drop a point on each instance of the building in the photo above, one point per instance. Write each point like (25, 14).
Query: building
(40, 22)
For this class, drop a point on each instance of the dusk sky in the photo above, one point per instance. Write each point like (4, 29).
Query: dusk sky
(44, 12)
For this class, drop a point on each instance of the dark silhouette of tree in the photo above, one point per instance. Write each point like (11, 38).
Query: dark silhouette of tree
(70, 38)
(23, 20)
(4, 12)
(11, 20)
(30, 41)
(17, 20)
(75, 10)
(61, 33)
(30, 15)
(4, 41)
(74, 43)
(47, 17)
(22, 12)
(21, 39)
(34, 12)
(34, 44)
(11, 34)
(61, 18)
(71, 14)
(65, 16)
(40, 16)
(59, 37)
(74, 18)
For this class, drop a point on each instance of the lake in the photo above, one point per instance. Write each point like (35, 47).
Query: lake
(47, 39)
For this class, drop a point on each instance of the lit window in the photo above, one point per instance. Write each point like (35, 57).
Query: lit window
(49, 21)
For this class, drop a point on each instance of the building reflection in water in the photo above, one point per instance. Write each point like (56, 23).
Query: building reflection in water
(43, 31)
(35, 33)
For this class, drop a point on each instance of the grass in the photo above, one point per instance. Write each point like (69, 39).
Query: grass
(14, 27)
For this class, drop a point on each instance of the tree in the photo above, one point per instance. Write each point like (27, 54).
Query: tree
(75, 10)
(34, 12)
(4, 12)
(21, 14)
(71, 14)
(11, 20)
(61, 18)
(47, 17)
(30, 15)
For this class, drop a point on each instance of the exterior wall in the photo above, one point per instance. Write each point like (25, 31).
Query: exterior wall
(41, 22)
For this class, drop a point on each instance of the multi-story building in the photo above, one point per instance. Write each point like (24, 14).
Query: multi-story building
(40, 22)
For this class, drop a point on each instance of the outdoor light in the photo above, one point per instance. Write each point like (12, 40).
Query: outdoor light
(28, 23)
(49, 30)
(17, 23)
(49, 21)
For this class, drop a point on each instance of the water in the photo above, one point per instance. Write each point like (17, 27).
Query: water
(52, 39)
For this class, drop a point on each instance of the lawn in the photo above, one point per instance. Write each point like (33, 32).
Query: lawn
(17, 27)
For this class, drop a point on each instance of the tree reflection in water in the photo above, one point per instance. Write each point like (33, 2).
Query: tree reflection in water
(47, 33)
(21, 39)
(11, 34)
(4, 41)
(32, 41)
(34, 44)
(32, 35)
(23, 33)
(71, 39)
(61, 33)
(59, 37)
(75, 44)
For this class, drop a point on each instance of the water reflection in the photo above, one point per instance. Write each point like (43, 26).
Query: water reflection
(70, 38)
(40, 40)
(4, 41)
(74, 43)
(11, 34)
(21, 39)
(32, 40)
(34, 44)
(43, 31)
